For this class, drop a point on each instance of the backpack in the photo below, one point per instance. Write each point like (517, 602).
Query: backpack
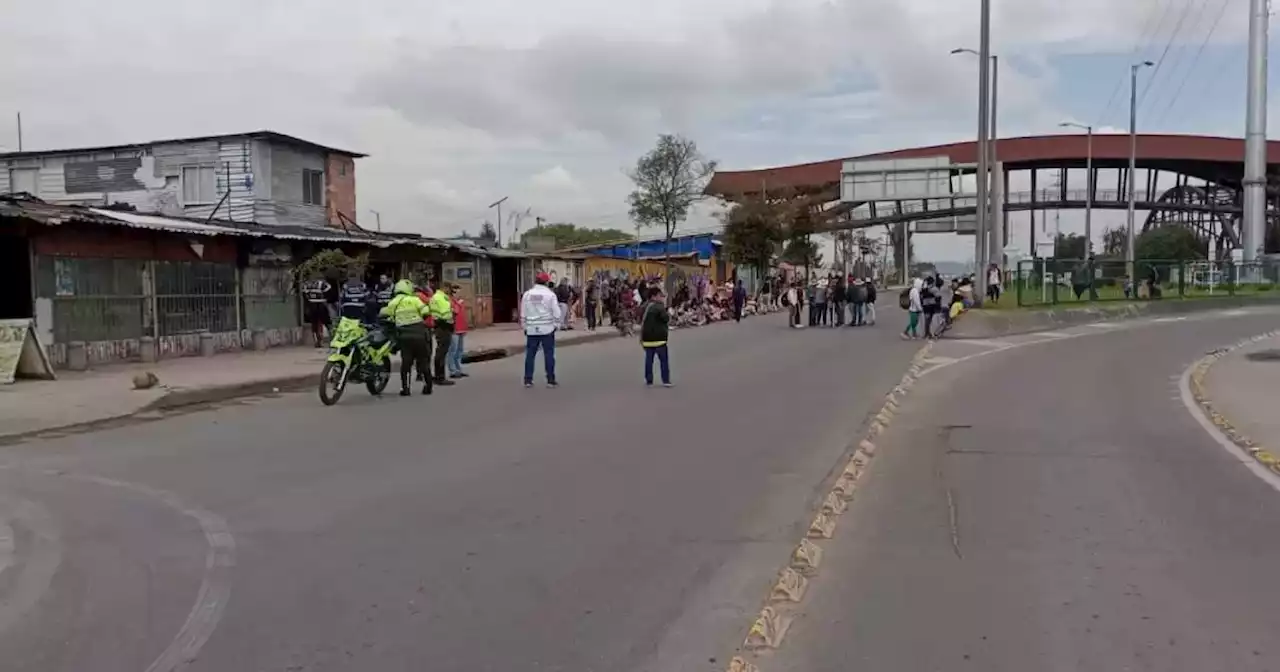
(904, 299)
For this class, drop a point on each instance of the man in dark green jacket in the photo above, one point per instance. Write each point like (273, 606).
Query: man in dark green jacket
(655, 324)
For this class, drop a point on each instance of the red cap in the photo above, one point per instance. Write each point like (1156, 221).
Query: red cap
(543, 276)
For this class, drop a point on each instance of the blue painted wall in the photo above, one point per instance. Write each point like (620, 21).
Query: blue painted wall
(680, 245)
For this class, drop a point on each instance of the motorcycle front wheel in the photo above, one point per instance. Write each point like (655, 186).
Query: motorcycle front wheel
(333, 382)
(378, 380)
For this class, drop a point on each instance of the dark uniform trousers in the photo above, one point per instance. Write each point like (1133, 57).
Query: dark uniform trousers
(444, 339)
(415, 351)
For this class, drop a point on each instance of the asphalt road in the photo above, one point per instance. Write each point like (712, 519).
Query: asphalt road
(598, 526)
(1056, 508)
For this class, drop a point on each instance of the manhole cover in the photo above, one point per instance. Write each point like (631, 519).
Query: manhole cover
(1264, 356)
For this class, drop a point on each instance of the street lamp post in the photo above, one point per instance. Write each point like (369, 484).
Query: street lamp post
(994, 241)
(1133, 168)
(1088, 196)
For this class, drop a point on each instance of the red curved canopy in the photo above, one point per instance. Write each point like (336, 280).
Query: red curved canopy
(1016, 153)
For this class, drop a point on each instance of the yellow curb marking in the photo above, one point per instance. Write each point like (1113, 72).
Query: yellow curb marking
(770, 627)
(1199, 371)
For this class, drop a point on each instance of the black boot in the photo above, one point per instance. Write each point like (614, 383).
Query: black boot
(404, 386)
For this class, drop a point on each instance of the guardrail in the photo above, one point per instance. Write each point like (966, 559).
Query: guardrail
(1052, 282)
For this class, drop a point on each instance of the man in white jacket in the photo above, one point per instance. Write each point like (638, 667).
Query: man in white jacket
(540, 314)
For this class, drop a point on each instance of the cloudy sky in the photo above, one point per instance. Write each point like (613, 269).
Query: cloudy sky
(461, 102)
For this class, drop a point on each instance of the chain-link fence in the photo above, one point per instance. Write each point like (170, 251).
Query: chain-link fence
(1037, 282)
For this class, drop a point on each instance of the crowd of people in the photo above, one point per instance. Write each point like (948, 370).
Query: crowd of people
(430, 323)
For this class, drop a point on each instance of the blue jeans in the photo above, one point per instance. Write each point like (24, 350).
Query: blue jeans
(548, 344)
(456, 347)
(664, 364)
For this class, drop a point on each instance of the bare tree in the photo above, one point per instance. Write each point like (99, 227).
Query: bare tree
(669, 179)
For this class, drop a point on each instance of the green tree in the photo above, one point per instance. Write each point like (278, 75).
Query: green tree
(669, 179)
(1170, 243)
(571, 235)
(333, 264)
(752, 233)
(487, 232)
(802, 252)
(1114, 241)
(1069, 246)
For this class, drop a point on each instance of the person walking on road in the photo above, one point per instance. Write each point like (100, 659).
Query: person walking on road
(791, 298)
(458, 343)
(857, 303)
(406, 311)
(739, 300)
(591, 304)
(930, 303)
(869, 307)
(441, 309)
(655, 324)
(913, 308)
(564, 296)
(540, 316)
(818, 314)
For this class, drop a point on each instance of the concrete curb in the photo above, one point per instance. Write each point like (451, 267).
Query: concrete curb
(786, 595)
(1200, 393)
(181, 398)
(207, 395)
(983, 324)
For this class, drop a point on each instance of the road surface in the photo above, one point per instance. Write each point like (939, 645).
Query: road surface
(599, 526)
(1053, 507)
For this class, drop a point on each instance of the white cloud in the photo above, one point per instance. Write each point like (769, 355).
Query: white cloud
(555, 179)
(460, 104)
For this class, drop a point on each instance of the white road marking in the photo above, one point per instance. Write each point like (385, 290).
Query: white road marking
(211, 598)
(1170, 319)
(1189, 401)
(1105, 325)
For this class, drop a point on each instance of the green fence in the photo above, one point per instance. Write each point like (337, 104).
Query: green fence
(1047, 282)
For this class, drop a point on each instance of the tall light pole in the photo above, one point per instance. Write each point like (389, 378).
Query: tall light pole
(377, 217)
(1088, 179)
(1133, 167)
(995, 237)
(987, 243)
(498, 204)
(1255, 139)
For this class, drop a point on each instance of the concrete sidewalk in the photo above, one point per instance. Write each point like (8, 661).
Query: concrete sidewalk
(83, 399)
(1237, 390)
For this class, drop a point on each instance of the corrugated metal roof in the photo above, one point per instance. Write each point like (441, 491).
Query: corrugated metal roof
(260, 135)
(23, 206)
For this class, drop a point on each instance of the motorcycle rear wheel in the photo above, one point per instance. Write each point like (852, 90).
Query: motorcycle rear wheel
(377, 382)
(332, 374)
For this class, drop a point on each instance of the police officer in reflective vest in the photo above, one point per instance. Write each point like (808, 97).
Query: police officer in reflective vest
(353, 297)
(385, 289)
(316, 309)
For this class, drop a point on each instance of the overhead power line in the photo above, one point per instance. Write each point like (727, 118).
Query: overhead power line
(1162, 88)
(1195, 59)
(1173, 36)
(1155, 19)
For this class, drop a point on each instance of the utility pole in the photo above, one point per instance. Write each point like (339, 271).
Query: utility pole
(498, 204)
(377, 218)
(19, 131)
(1129, 258)
(1088, 180)
(1253, 232)
(538, 222)
(983, 227)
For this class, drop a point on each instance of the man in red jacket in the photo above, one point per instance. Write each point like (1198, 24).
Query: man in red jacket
(458, 344)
